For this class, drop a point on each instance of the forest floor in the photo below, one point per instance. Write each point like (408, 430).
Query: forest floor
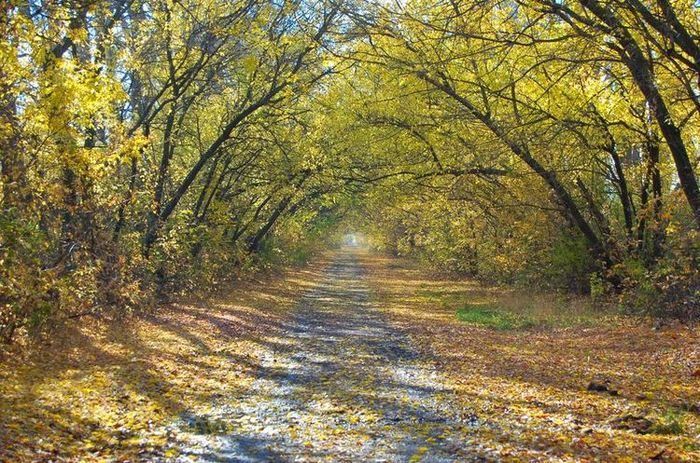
(358, 357)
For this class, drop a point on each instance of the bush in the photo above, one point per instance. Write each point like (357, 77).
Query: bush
(670, 288)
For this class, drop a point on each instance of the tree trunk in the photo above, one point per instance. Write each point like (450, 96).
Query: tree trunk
(521, 151)
(635, 60)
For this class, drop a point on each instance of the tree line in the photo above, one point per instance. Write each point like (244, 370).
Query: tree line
(152, 145)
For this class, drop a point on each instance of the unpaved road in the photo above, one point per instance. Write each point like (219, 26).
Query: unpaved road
(360, 359)
(339, 384)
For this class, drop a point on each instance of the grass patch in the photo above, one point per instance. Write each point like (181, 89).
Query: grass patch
(671, 423)
(509, 310)
(491, 316)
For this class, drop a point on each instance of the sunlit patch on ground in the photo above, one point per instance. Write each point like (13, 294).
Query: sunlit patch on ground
(344, 386)
(530, 383)
(357, 358)
(124, 390)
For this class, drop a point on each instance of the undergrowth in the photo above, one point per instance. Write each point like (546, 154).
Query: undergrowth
(491, 316)
(516, 310)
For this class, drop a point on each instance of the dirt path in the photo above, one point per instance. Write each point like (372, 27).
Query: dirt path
(356, 357)
(341, 384)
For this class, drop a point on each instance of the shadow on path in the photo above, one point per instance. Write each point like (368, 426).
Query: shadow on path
(340, 384)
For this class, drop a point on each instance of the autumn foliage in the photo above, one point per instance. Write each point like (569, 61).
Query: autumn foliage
(153, 147)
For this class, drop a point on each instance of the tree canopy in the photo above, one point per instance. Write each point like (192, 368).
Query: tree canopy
(152, 145)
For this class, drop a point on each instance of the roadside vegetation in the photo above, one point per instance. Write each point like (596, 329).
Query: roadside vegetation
(569, 384)
(534, 163)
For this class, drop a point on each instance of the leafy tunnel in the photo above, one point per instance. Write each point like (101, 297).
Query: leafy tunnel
(157, 148)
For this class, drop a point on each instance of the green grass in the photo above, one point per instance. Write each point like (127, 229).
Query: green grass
(671, 423)
(491, 316)
(514, 310)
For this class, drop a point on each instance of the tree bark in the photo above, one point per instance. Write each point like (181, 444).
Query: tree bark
(521, 151)
(635, 60)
